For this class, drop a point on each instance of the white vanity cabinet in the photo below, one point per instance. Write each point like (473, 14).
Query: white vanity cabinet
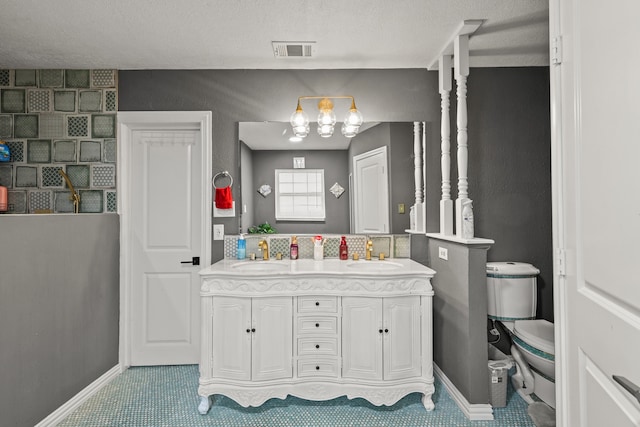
(251, 338)
(381, 338)
(316, 330)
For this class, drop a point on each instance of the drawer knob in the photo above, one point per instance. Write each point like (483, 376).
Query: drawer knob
(253, 329)
(248, 330)
(317, 325)
(317, 303)
(317, 345)
(317, 368)
(386, 331)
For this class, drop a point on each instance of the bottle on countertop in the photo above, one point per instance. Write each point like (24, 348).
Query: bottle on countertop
(344, 250)
(293, 249)
(318, 248)
(242, 247)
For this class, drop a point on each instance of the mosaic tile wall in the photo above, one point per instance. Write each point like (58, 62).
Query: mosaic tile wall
(392, 245)
(53, 120)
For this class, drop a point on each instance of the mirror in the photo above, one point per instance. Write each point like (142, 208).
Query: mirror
(265, 147)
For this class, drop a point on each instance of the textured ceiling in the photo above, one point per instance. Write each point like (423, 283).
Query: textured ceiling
(237, 34)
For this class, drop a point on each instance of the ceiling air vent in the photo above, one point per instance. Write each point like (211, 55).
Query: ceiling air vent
(293, 49)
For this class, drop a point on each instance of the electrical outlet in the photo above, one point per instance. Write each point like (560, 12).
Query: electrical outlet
(218, 231)
(443, 253)
(400, 208)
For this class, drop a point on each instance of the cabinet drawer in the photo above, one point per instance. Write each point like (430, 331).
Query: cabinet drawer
(318, 368)
(318, 346)
(317, 304)
(317, 325)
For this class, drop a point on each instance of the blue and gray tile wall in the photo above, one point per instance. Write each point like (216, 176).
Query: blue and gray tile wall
(59, 119)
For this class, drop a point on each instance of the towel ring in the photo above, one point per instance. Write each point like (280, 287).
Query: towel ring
(224, 174)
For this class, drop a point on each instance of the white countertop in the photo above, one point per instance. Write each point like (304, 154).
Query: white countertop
(394, 267)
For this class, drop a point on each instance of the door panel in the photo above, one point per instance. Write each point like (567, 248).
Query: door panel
(166, 185)
(402, 345)
(361, 339)
(272, 350)
(232, 338)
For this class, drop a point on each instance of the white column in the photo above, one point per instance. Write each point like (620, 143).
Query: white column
(461, 65)
(417, 170)
(446, 204)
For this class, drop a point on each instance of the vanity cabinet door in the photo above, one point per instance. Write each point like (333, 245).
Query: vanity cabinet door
(402, 344)
(272, 352)
(231, 327)
(362, 336)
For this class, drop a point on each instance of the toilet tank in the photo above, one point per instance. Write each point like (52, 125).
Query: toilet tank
(511, 288)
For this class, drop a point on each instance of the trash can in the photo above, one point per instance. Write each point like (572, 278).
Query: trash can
(498, 375)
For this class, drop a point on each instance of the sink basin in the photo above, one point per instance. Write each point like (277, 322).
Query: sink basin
(374, 265)
(260, 266)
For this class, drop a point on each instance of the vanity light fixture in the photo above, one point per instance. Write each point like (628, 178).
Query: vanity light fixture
(326, 118)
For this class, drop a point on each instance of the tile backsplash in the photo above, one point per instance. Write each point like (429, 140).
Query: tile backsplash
(59, 119)
(392, 245)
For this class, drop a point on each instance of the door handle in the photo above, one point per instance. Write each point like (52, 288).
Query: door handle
(628, 385)
(195, 261)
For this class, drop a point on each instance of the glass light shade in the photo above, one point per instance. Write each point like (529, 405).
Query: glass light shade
(327, 117)
(349, 131)
(299, 118)
(301, 131)
(325, 131)
(354, 118)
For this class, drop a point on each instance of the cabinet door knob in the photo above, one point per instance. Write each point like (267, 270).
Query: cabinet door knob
(317, 325)
(253, 329)
(317, 368)
(248, 330)
(380, 330)
(386, 331)
(317, 303)
(317, 345)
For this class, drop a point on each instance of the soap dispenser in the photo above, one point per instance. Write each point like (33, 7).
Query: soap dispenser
(242, 247)
(344, 251)
(293, 249)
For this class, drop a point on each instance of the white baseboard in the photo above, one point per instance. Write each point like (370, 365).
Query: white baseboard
(63, 411)
(473, 411)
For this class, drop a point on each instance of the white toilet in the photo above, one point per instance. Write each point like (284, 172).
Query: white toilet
(512, 300)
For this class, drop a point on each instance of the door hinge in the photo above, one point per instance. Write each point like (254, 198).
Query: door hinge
(561, 262)
(556, 50)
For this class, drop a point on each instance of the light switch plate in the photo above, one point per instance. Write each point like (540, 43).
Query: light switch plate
(218, 231)
(443, 253)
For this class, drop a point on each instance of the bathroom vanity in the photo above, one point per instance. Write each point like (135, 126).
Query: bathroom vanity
(316, 330)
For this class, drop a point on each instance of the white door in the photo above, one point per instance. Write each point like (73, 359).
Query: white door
(164, 231)
(272, 349)
(371, 192)
(596, 150)
(402, 345)
(362, 335)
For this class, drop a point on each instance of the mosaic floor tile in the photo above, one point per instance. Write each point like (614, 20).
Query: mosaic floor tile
(78, 126)
(39, 200)
(90, 101)
(17, 201)
(52, 126)
(103, 126)
(25, 78)
(26, 176)
(64, 101)
(110, 100)
(111, 204)
(64, 151)
(103, 176)
(17, 150)
(51, 78)
(25, 126)
(90, 151)
(103, 78)
(39, 100)
(6, 126)
(78, 175)
(91, 201)
(39, 151)
(402, 246)
(63, 203)
(5, 77)
(50, 176)
(109, 154)
(76, 78)
(6, 176)
(13, 101)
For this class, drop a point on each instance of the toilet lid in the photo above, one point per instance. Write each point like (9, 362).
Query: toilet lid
(537, 333)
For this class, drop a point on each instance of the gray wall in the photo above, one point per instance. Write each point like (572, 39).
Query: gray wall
(59, 308)
(335, 165)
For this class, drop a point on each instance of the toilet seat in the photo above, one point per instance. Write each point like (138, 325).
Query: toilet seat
(537, 334)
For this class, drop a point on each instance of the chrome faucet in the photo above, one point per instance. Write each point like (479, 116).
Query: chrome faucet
(262, 244)
(368, 249)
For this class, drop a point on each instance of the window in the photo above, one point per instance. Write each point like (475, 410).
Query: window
(300, 194)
